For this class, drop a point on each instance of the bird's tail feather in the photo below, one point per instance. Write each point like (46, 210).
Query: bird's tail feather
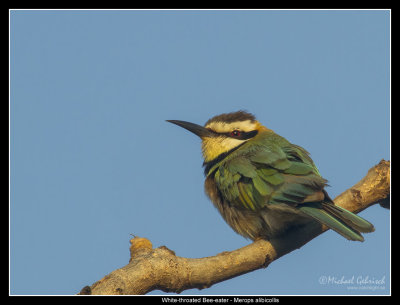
(351, 219)
(338, 219)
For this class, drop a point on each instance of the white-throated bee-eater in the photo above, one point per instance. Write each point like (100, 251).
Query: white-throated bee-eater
(262, 184)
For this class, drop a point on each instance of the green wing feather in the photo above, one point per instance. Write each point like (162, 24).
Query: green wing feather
(287, 171)
(271, 170)
(264, 173)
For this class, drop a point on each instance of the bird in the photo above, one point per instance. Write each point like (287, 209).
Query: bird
(263, 185)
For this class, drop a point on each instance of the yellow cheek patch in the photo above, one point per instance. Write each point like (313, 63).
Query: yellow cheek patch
(213, 147)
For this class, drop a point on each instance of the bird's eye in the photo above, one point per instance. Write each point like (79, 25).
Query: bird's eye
(235, 133)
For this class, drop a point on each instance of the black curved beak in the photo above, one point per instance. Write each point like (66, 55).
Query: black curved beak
(196, 129)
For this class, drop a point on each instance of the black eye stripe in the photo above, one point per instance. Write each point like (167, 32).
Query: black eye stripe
(242, 135)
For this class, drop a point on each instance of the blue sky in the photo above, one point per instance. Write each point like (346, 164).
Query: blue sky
(93, 160)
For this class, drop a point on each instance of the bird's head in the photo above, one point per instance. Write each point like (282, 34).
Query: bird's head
(224, 132)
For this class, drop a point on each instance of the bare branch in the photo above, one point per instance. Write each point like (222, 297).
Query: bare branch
(150, 269)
